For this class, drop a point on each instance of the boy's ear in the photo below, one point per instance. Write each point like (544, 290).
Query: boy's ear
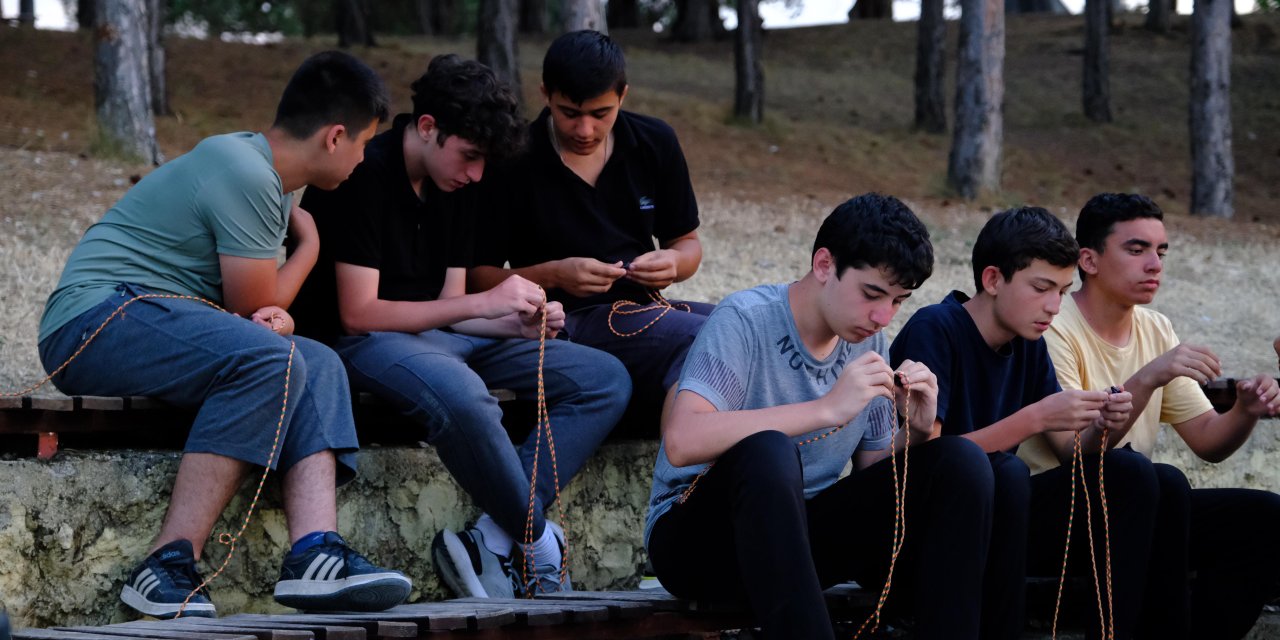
(1088, 261)
(824, 265)
(623, 96)
(991, 279)
(332, 134)
(426, 125)
(546, 97)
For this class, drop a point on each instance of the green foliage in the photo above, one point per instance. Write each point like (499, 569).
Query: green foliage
(1269, 6)
(302, 17)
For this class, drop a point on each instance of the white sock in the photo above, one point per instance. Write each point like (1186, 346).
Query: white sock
(546, 550)
(495, 539)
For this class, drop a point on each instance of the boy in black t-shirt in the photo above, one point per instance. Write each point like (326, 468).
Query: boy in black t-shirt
(579, 210)
(997, 387)
(408, 332)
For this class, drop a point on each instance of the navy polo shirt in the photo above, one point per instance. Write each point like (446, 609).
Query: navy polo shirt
(977, 386)
(542, 211)
(375, 219)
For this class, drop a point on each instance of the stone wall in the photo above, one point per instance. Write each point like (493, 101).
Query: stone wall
(72, 529)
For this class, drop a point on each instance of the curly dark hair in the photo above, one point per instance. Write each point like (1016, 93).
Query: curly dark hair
(467, 100)
(1012, 239)
(873, 230)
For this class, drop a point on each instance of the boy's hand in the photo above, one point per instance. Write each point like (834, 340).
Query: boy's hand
(531, 326)
(514, 295)
(862, 381)
(1071, 410)
(582, 277)
(656, 269)
(302, 227)
(1194, 361)
(275, 319)
(1115, 413)
(1259, 396)
(923, 396)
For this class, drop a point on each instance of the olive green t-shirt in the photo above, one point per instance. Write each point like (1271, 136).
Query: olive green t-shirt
(223, 197)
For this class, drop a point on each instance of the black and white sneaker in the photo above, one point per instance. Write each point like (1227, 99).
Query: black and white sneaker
(331, 576)
(469, 568)
(163, 581)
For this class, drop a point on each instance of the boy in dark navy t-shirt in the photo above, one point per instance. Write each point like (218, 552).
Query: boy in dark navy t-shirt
(997, 387)
(578, 213)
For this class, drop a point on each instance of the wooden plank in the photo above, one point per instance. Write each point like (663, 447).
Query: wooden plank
(158, 632)
(660, 624)
(439, 616)
(572, 612)
(618, 609)
(375, 628)
(186, 624)
(11, 402)
(53, 403)
(321, 631)
(54, 634)
(659, 599)
(102, 403)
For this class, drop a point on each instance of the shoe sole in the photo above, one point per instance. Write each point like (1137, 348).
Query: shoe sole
(165, 610)
(458, 573)
(373, 592)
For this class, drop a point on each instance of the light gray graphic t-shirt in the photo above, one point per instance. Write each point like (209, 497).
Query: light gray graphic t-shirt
(748, 355)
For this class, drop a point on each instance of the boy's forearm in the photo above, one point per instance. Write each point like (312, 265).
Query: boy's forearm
(408, 317)
(485, 277)
(293, 273)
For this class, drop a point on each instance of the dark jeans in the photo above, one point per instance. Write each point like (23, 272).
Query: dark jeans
(654, 358)
(1219, 560)
(746, 533)
(1132, 494)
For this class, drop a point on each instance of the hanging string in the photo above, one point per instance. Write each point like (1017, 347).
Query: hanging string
(658, 302)
(1106, 614)
(542, 428)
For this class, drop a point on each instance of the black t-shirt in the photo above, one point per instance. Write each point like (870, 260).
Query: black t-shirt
(375, 219)
(540, 210)
(977, 386)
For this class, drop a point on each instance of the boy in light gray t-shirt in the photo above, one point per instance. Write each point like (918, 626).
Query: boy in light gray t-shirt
(785, 384)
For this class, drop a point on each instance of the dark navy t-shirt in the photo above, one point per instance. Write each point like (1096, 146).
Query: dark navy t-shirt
(977, 386)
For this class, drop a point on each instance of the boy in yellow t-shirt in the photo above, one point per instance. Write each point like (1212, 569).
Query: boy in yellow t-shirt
(1220, 563)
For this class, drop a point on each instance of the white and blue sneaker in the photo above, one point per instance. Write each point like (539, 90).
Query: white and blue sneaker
(160, 585)
(331, 576)
(546, 577)
(469, 568)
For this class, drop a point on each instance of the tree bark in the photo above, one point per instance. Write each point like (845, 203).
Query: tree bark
(156, 57)
(121, 88)
(697, 21)
(623, 14)
(533, 16)
(26, 13)
(1097, 53)
(931, 114)
(84, 14)
(871, 10)
(426, 17)
(583, 14)
(1159, 14)
(1212, 165)
(974, 163)
(748, 55)
(353, 23)
(496, 40)
(1035, 6)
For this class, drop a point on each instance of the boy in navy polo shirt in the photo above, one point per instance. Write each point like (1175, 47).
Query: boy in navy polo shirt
(784, 385)
(578, 213)
(996, 387)
(390, 290)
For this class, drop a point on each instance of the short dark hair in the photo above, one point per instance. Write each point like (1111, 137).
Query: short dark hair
(1012, 239)
(467, 100)
(331, 87)
(873, 230)
(1100, 214)
(584, 64)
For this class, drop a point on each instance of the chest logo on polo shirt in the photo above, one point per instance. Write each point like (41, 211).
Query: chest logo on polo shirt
(646, 203)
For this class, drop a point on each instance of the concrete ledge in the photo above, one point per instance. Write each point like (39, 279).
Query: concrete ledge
(72, 529)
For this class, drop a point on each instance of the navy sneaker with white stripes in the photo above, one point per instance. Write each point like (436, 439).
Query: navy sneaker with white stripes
(331, 576)
(163, 581)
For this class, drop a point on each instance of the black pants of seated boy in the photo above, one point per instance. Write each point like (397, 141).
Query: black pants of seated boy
(747, 533)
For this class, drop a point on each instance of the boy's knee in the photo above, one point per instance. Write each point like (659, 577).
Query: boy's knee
(963, 462)
(768, 455)
(1172, 481)
(1132, 473)
(1012, 477)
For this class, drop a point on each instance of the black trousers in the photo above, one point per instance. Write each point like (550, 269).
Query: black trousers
(747, 534)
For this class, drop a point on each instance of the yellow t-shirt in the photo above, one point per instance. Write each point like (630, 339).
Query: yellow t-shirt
(1085, 361)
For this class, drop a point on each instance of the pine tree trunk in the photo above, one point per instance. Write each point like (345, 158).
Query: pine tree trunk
(26, 13)
(446, 15)
(84, 14)
(931, 114)
(583, 14)
(974, 164)
(1212, 165)
(871, 10)
(1097, 78)
(533, 16)
(156, 57)
(426, 17)
(353, 23)
(623, 14)
(121, 87)
(1159, 14)
(496, 40)
(697, 21)
(748, 95)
